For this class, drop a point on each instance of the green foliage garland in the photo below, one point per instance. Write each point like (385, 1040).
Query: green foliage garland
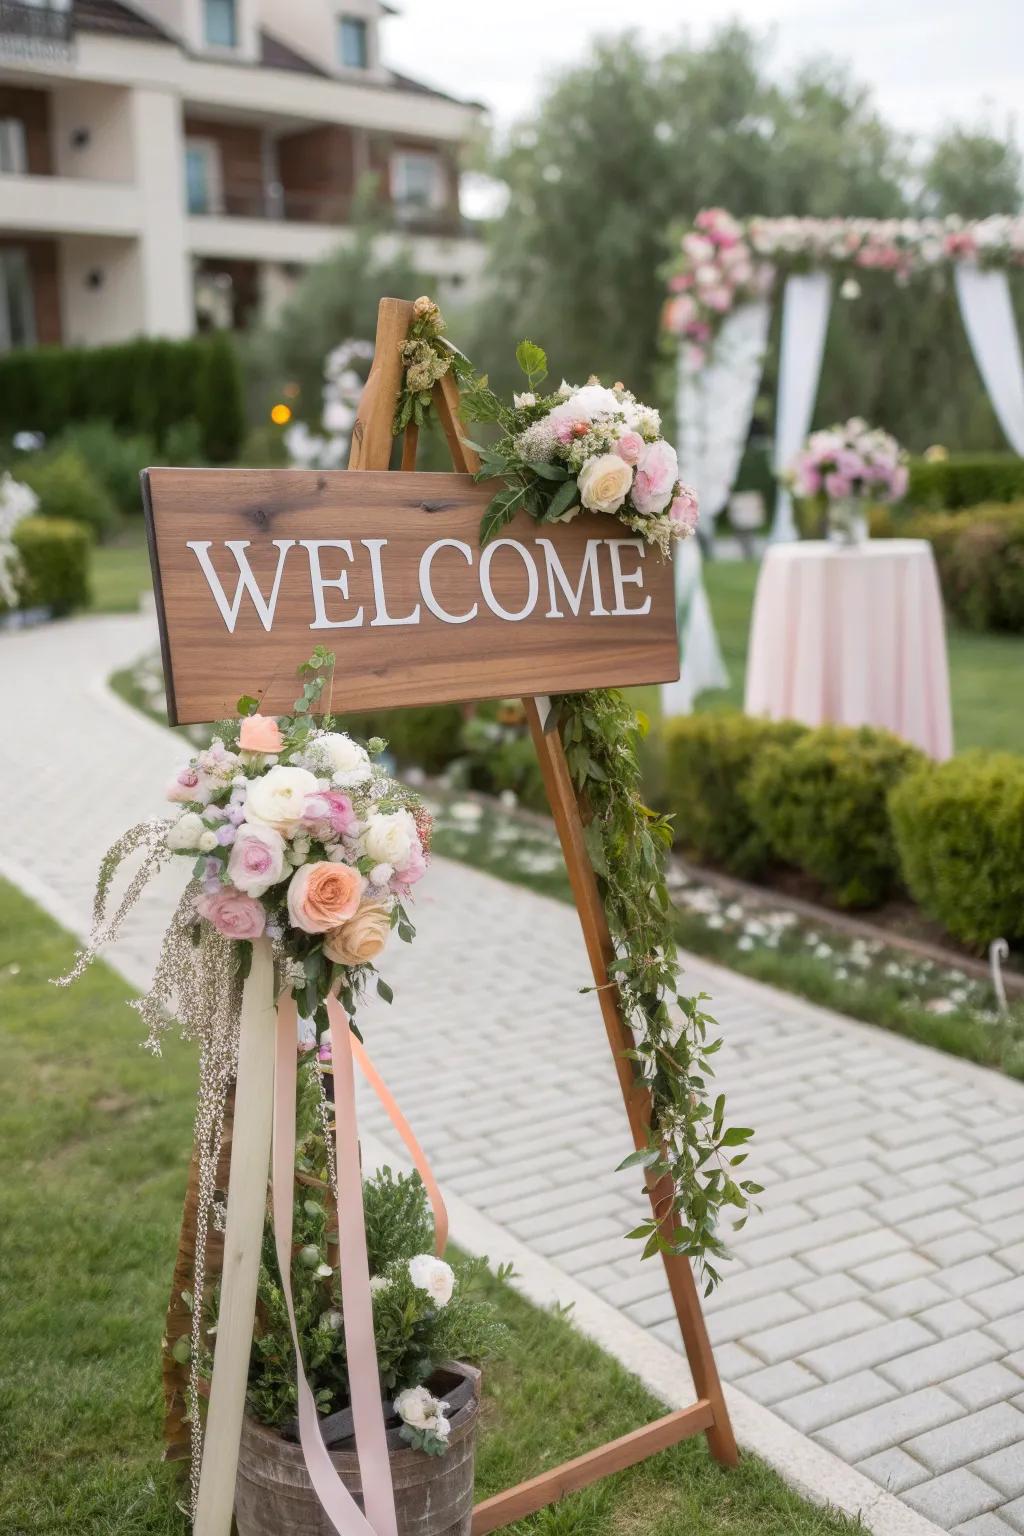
(628, 843)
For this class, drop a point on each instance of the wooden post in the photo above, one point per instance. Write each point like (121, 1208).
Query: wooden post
(371, 449)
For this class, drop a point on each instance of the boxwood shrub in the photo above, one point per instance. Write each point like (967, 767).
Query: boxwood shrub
(965, 480)
(708, 759)
(980, 556)
(959, 829)
(54, 557)
(68, 489)
(820, 803)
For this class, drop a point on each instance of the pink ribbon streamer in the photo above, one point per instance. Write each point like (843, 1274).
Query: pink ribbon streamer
(367, 1411)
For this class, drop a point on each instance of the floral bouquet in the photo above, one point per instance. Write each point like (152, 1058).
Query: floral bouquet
(843, 468)
(586, 448)
(299, 835)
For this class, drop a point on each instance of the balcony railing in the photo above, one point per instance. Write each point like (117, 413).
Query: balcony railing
(277, 202)
(32, 28)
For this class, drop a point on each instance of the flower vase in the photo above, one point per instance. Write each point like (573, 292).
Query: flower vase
(847, 521)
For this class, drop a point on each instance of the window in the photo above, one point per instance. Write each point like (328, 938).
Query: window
(202, 176)
(220, 23)
(13, 157)
(353, 42)
(417, 181)
(17, 310)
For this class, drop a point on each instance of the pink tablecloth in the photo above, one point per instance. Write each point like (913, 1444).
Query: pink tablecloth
(854, 637)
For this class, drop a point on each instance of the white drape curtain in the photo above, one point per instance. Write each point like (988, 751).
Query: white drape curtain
(991, 327)
(805, 308)
(714, 408)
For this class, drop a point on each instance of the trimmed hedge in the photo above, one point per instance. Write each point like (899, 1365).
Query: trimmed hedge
(426, 737)
(959, 830)
(68, 490)
(115, 459)
(143, 386)
(54, 557)
(820, 803)
(980, 558)
(709, 758)
(965, 480)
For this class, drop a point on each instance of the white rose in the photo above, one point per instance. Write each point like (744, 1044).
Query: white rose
(380, 874)
(434, 1276)
(416, 1407)
(278, 799)
(604, 482)
(378, 1283)
(208, 842)
(256, 861)
(349, 761)
(186, 832)
(389, 839)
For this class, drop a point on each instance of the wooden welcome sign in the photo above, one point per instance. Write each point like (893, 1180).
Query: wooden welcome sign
(253, 568)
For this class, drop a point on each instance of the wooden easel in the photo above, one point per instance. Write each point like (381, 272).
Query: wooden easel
(372, 443)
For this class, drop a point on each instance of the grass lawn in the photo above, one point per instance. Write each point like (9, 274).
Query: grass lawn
(985, 670)
(120, 570)
(95, 1143)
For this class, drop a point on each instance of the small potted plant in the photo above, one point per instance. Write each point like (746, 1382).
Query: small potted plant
(841, 471)
(432, 1326)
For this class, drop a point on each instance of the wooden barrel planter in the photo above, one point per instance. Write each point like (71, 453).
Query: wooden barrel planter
(433, 1494)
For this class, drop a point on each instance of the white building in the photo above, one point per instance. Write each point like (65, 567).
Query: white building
(174, 163)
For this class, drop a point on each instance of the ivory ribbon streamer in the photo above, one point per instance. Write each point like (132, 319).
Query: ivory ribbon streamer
(413, 1147)
(357, 1305)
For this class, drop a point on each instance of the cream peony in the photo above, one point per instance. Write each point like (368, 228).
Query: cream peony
(417, 1407)
(362, 938)
(278, 799)
(434, 1276)
(350, 763)
(185, 833)
(604, 482)
(389, 838)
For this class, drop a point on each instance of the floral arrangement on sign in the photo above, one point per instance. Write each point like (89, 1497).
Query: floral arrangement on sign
(544, 447)
(581, 448)
(425, 1311)
(298, 835)
(722, 261)
(850, 459)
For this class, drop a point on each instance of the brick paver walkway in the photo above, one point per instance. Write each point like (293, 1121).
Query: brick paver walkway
(876, 1303)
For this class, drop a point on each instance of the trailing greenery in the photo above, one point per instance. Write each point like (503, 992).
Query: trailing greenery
(965, 480)
(959, 829)
(427, 355)
(709, 759)
(54, 556)
(820, 803)
(147, 385)
(690, 1144)
(68, 489)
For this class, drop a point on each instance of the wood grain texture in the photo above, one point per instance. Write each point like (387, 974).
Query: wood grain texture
(383, 665)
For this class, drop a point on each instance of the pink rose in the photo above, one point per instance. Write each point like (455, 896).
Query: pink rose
(807, 481)
(257, 859)
(330, 813)
(414, 868)
(260, 733)
(899, 480)
(323, 896)
(630, 446)
(232, 913)
(655, 478)
(188, 785)
(684, 509)
(719, 298)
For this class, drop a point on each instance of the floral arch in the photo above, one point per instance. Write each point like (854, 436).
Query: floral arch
(721, 285)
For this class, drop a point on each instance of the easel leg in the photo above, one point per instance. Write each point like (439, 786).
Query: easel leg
(566, 813)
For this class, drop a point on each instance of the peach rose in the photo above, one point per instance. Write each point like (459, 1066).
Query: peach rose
(362, 938)
(260, 733)
(322, 896)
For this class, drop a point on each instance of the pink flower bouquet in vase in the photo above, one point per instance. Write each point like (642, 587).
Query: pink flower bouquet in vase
(840, 472)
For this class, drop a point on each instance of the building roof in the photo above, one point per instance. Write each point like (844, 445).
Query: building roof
(111, 16)
(277, 55)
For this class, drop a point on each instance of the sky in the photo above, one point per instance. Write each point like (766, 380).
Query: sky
(929, 61)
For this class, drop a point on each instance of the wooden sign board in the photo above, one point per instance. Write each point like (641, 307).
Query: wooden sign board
(253, 568)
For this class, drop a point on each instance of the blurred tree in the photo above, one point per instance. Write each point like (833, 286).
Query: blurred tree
(973, 173)
(632, 141)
